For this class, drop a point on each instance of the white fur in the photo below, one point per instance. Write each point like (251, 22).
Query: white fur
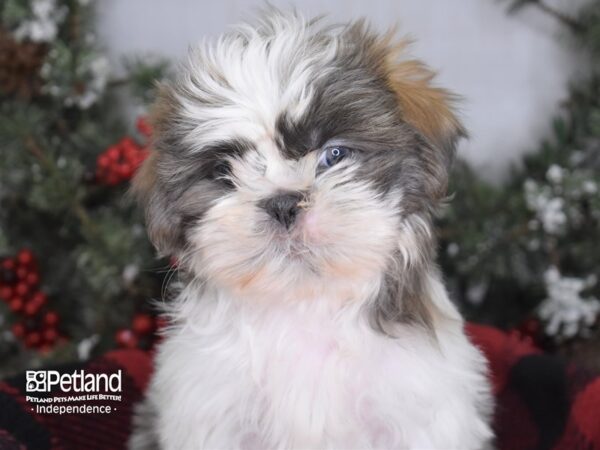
(263, 78)
(235, 373)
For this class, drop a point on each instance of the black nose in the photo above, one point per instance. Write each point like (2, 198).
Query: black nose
(283, 207)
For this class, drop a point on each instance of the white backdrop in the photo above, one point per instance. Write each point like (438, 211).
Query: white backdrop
(511, 70)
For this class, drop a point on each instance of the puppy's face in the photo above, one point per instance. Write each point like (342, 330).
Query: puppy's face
(294, 159)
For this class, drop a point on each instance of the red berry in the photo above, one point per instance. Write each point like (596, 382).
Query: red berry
(113, 154)
(39, 298)
(123, 150)
(33, 339)
(45, 348)
(9, 264)
(142, 324)
(16, 304)
(6, 293)
(32, 308)
(125, 171)
(130, 153)
(18, 330)
(127, 142)
(103, 161)
(22, 289)
(22, 272)
(50, 335)
(125, 338)
(25, 257)
(32, 279)
(51, 318)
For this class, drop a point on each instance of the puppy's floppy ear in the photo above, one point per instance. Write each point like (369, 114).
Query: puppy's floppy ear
(162, 221)
(429, 109)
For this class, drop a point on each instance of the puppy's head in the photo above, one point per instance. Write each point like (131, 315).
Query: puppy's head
(291, 157)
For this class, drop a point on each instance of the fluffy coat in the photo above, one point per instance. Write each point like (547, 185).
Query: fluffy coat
(331, 329)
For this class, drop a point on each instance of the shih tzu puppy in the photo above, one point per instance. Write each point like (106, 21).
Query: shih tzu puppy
(295, 172)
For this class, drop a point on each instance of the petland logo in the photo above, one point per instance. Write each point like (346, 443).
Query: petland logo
(78, 381)
(71, 393)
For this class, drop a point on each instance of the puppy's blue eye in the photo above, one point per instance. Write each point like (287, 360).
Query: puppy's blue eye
(333, 155)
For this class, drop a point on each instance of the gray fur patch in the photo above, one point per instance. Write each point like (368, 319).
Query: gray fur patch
(400, 300)
(403, 297)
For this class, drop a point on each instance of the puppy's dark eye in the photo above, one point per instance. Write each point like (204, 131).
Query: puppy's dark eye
(333, 155)
(221, 172)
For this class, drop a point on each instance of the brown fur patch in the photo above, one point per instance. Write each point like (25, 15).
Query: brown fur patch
(424, 106)
(163, 108)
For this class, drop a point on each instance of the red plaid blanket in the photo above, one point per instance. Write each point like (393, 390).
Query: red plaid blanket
(542, 402)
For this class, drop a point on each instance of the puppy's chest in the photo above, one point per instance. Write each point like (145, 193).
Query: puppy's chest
(332, 372)
(303, 380)
(311, 378)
